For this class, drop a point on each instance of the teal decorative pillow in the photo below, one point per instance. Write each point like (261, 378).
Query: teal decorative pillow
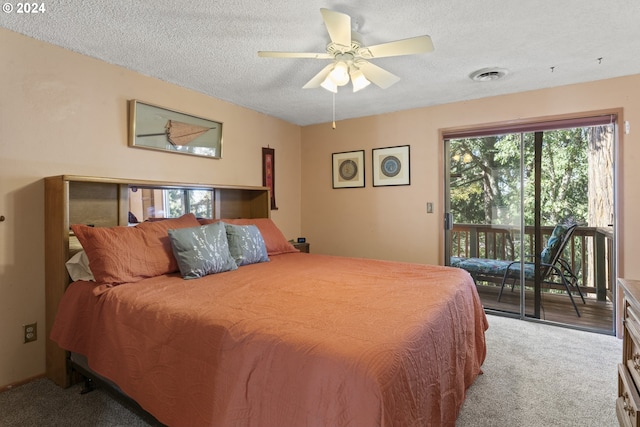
(554, 240)
(246, 244)
(201, 250)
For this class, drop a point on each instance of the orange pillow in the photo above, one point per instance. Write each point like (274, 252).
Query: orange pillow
(273, 238)
(128, 254)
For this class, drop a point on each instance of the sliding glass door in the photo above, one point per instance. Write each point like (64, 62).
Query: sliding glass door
(485, 206)
(530, 216)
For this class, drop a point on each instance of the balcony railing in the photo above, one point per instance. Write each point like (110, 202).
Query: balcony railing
(589, 253)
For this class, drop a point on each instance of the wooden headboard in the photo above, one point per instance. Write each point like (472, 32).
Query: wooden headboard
(104, 202)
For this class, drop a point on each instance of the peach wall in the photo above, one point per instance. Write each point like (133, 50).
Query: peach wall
(64, 113)
(392, 223)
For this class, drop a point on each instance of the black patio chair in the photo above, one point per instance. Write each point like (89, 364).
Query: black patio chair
(555, 272)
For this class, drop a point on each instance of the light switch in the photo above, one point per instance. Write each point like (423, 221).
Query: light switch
(429, 207)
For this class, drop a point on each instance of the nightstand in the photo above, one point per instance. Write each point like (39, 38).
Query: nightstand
(302, 247)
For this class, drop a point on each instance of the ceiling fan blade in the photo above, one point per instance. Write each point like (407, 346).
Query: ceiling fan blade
(338, 25)
(318, 78)
(267, 54)
(414, 45)
(380, 77)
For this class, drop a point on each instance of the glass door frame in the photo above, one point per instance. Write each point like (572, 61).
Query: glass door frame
(611, 117)
(449, 221)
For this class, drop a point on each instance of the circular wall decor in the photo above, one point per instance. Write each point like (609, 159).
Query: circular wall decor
(390, 166)
(348, 169)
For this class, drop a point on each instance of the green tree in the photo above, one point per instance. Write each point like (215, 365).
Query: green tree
(485, 178)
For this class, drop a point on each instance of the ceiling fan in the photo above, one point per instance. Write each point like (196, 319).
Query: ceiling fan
(350, 57)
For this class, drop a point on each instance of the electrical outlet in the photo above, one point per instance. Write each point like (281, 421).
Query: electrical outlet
(30, 332)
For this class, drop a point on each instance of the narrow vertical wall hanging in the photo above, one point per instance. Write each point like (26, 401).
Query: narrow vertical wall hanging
(269, 173)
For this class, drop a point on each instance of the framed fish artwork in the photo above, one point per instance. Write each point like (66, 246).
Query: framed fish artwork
(158, 128)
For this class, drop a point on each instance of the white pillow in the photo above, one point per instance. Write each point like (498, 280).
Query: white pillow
(78, 267)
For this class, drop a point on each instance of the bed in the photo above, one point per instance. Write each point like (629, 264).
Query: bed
(292, 340)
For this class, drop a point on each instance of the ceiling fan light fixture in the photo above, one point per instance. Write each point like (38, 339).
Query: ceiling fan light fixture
(347, 52)
(340, 74)
(329, 85)
(358, 80)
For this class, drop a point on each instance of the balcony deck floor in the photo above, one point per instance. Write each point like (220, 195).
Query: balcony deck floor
(595, 315)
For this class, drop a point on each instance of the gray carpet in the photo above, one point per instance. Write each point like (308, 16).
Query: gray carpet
(534, 375)
(540, 375)
(42, 403)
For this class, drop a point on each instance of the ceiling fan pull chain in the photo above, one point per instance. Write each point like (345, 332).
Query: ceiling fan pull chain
(334, 111)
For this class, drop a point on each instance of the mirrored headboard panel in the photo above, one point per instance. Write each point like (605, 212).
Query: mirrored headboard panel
(147, 203)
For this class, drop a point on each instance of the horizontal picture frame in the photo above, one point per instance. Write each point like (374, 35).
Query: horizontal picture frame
(391, 166)
(348, 169)
(158, 128)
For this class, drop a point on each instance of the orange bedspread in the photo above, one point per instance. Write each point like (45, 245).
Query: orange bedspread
(303, 340)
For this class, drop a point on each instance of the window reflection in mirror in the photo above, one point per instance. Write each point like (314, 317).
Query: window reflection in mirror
(154, 203)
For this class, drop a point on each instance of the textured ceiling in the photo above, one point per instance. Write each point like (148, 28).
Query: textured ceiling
(211, 47)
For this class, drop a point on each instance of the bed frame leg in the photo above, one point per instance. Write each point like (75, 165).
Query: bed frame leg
(89, 386)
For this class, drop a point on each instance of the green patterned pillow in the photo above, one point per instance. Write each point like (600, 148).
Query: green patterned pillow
(201, 250)
(246, 244)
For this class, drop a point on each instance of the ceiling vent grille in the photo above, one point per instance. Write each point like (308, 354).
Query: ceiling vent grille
(488, 74)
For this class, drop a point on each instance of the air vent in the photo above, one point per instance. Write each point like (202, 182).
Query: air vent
(488, 74)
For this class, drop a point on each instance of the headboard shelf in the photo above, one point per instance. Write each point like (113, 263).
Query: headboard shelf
(104, 202)
(151, 183)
